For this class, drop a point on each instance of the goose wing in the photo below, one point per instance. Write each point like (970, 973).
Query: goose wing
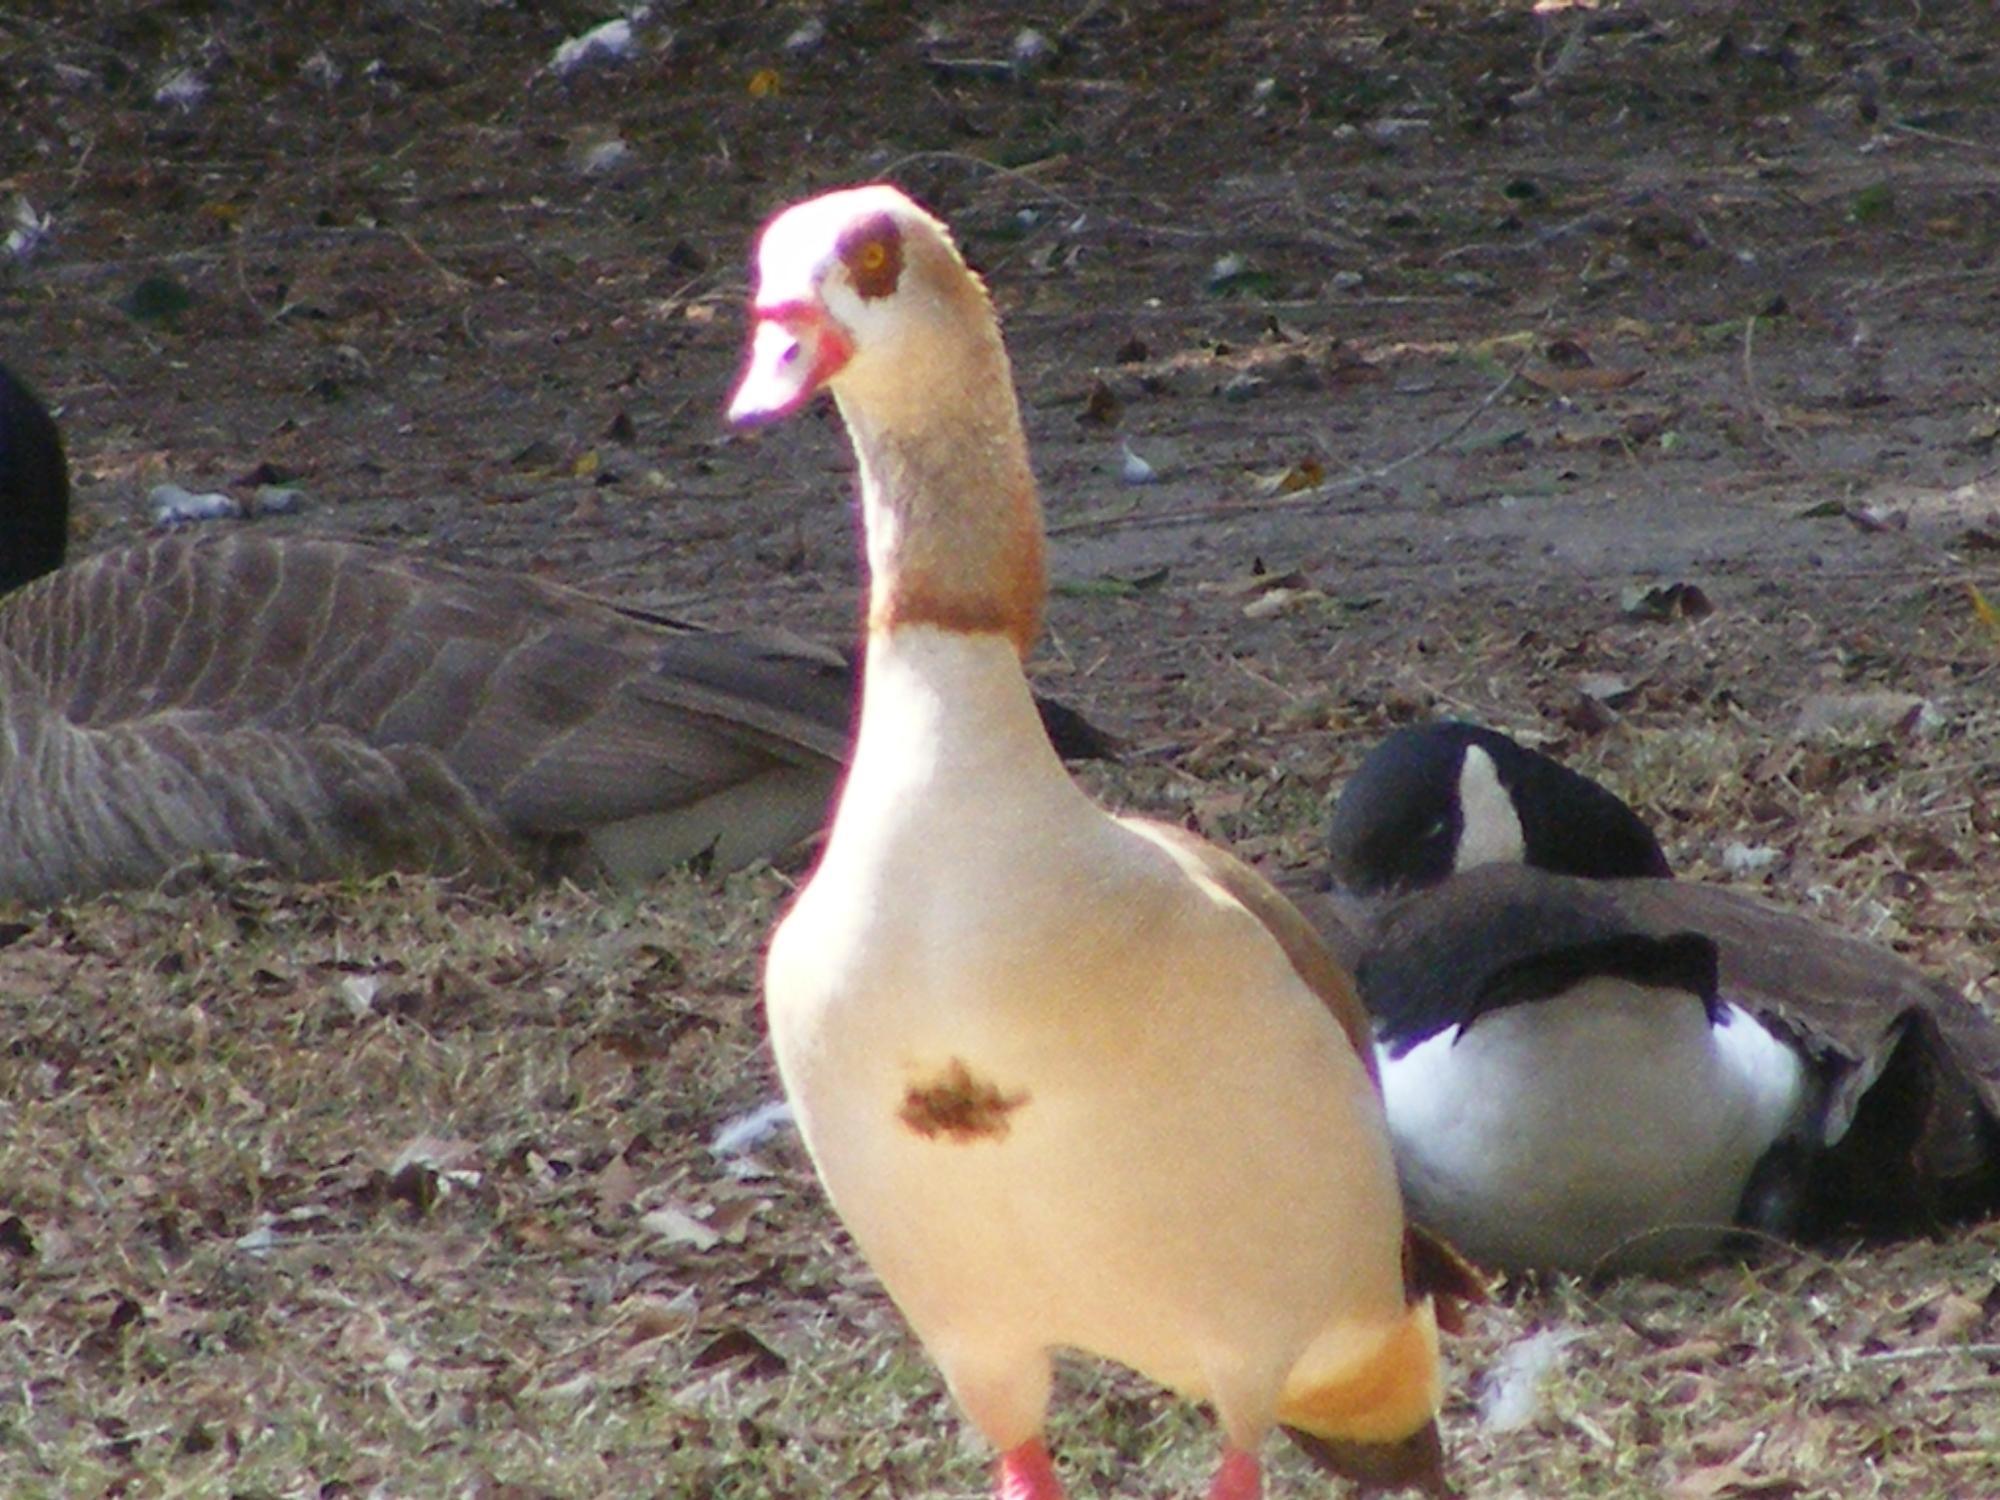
(1913, 1108)
(414, 705)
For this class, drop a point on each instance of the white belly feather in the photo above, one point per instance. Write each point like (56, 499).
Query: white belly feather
(1612, 1125)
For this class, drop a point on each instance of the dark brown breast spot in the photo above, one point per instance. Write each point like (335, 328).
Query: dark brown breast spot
(959, 1105)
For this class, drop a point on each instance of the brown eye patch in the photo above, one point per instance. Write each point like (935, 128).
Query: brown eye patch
(873, 254)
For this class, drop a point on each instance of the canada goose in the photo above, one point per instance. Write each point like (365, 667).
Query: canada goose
(34, 487)
(1072, 1080)
(1608, 1067)
(331, 707)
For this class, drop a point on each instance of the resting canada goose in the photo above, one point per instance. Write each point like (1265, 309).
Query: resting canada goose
(330, 707)
(34, 487)
(1608, 1067)
(1072, 1080)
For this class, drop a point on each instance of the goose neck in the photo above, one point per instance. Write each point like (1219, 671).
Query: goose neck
(954, 527)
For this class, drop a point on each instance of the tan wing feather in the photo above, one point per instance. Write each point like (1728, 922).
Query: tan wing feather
(1343, 922)
(1308, 953)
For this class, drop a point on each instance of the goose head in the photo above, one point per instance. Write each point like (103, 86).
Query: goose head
(1434, 800)
(862, 293)
(852, 288)
(34, 487)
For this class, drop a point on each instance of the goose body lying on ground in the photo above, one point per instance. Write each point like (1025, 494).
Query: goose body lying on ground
(1590, 1064)
(1072, 1080)
(331, 708)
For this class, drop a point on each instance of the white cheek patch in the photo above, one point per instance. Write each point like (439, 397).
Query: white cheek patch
(794, 249)
(1491, 832)
(797, 246)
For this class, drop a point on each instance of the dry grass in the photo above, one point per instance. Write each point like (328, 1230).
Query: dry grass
(398, 1189)
(394, 1189)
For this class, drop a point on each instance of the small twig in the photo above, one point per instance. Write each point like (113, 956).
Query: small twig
(1022, 174)
(1078, 21)
(1596, 221)
(1019, 174)
(1929, 1351)
(1963, 144)
(1765, 414)
(452, 279)
(82, 162)
(1437, 692)
(271, 239)
(1299, 499)
(1547, 78)
(1749, 366)
(1263, 681)
(270, 319)
(987, 69)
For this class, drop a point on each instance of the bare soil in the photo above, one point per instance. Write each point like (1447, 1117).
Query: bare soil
(1450, 331)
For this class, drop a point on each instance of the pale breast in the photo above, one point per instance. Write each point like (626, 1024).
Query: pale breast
(1058, 1091)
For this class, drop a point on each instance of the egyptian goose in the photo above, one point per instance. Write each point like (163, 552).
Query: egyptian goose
(330, 707)
(1590, 1065)
(1072, 1080)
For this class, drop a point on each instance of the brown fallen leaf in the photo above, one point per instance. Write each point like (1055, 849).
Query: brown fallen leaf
(1609, 688)
(679, 1227)
(1344, 367)
(1734, 1477)
(1581, 380)
(646, 1316)
(1957, 1316)
(1303, 475)
(600, 1065)
(734, 1344)
(1100, 407)
(1880, 714)
(615, 1186)
(731, 1220)
(1871, 519)
(1588, 715)
(1666, 601)
(1707, 1481)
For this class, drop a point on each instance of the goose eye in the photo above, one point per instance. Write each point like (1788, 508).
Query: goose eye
(873, 254)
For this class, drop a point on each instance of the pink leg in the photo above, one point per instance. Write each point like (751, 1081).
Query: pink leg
(1027, 1474)
(1239, 1478)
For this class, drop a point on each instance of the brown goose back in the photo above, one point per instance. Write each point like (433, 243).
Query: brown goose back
(330, 707)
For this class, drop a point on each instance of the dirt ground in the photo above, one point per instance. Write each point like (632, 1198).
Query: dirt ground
(1621, 375)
